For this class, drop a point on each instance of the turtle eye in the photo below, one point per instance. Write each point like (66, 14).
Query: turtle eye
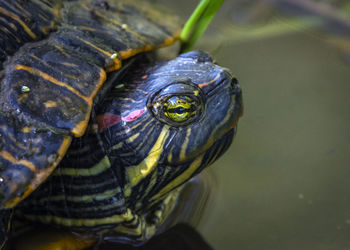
(179, 108)
(178, 104)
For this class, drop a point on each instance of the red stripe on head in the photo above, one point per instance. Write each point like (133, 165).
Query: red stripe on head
(107, 120)
(201, 85)
(133, 115)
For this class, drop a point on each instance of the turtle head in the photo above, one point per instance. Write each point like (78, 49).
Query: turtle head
(171, 120)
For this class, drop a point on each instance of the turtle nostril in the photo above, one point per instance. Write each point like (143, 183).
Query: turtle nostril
(234, 83)
(235, 89)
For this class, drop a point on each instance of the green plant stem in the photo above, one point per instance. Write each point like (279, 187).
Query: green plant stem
(198, 22)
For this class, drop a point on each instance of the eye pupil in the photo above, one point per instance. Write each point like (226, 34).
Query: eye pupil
(179, 108)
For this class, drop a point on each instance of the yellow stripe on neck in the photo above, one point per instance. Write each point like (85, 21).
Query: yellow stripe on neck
(94, 170)
(180, 179)
(83, 222)
(136, 173)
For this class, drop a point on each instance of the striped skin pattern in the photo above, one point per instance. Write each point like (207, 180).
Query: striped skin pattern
(48, 87)
(134, 159)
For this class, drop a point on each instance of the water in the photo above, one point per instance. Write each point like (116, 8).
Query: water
(284, 184)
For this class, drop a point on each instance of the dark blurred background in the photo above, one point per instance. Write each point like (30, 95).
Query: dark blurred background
(284, 184)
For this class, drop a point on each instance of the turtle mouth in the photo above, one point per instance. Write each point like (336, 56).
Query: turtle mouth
(218, 148)
(225, 141)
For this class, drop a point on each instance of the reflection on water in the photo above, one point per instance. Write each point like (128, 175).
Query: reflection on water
(181, 236)
(284, 183)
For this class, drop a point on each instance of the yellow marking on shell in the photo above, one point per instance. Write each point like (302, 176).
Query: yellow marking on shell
(60, 48)
(80, 128)
(95, 170)
(50, 104)
(18, 19)
(78, 77)
(41, 175)
(131, 52)
(7, 156)
(117, 63)
(5, 30)
(81, 27)
(17, 199)
(26, 129)
(22, 98)
(113, 21)
(73, 222)
(46, 29)
(56, 11)
(68, 64)
(51, 79)
(22, 10)
(185, 145)
(43, 17)
(136, 173)
(181, 178)
(19, 144)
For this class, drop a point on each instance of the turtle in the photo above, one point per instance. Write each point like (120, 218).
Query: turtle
(88, 113)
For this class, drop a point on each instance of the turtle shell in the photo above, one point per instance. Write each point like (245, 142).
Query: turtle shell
(55, 58)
